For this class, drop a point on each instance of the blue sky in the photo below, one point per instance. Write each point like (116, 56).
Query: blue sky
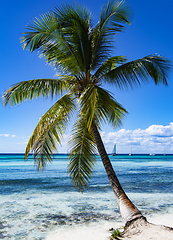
(148, 127)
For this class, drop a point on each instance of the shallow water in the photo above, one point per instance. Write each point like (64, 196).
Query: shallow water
(35, 204)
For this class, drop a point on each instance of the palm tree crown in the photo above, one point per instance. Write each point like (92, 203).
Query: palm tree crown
(81, 53)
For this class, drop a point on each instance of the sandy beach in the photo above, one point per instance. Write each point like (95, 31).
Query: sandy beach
(101, 231)
(151, 232)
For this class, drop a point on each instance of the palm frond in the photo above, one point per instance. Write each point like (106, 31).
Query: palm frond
(27, 90)
(110, 64)
(82, 158)
(152, 67)
(40, 31)
(97, 104)
(77, 26)
(87, 102)
(49, 130)
(108, 109)
(62, 37)
(113, 16)
(112, 20)
(45, 34)
(66, 38)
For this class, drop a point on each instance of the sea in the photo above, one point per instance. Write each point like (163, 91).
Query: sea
(45, 205)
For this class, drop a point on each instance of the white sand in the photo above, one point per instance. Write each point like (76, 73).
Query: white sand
(152, 232)
(83, 232)
(100, 231)
(166, 219)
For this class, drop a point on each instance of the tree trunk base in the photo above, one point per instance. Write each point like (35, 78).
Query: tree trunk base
(141, 229)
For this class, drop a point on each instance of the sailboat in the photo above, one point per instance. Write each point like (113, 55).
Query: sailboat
(164, 153)
(131, 154)
(114, 150)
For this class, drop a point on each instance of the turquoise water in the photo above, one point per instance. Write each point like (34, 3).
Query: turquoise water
(34, 203)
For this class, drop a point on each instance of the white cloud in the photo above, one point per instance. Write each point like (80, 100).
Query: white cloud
(4, 135)
(154, 139)
(7, 135)
(161, 131)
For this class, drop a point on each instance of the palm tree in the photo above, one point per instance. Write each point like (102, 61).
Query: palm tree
(81, 52)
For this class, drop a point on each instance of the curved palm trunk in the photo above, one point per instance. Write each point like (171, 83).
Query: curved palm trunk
(127, 209)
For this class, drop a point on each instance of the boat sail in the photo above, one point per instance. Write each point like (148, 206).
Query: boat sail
(114, 150)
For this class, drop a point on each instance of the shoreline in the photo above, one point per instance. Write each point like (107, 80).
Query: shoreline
(110, 154)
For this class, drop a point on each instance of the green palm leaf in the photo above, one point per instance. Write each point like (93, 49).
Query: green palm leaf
(77, 32)
(49, 130)
(82, 158)
(87, 103)
(108, 109)
(62, 38)
(97, 104)
(112, 20)
(113, 17)
(153, 67)
(45, 35)
(33, 89)
(39, 32)
(107, 66)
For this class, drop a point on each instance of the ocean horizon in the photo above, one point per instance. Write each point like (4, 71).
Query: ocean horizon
(129, 154)
(42, 205)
